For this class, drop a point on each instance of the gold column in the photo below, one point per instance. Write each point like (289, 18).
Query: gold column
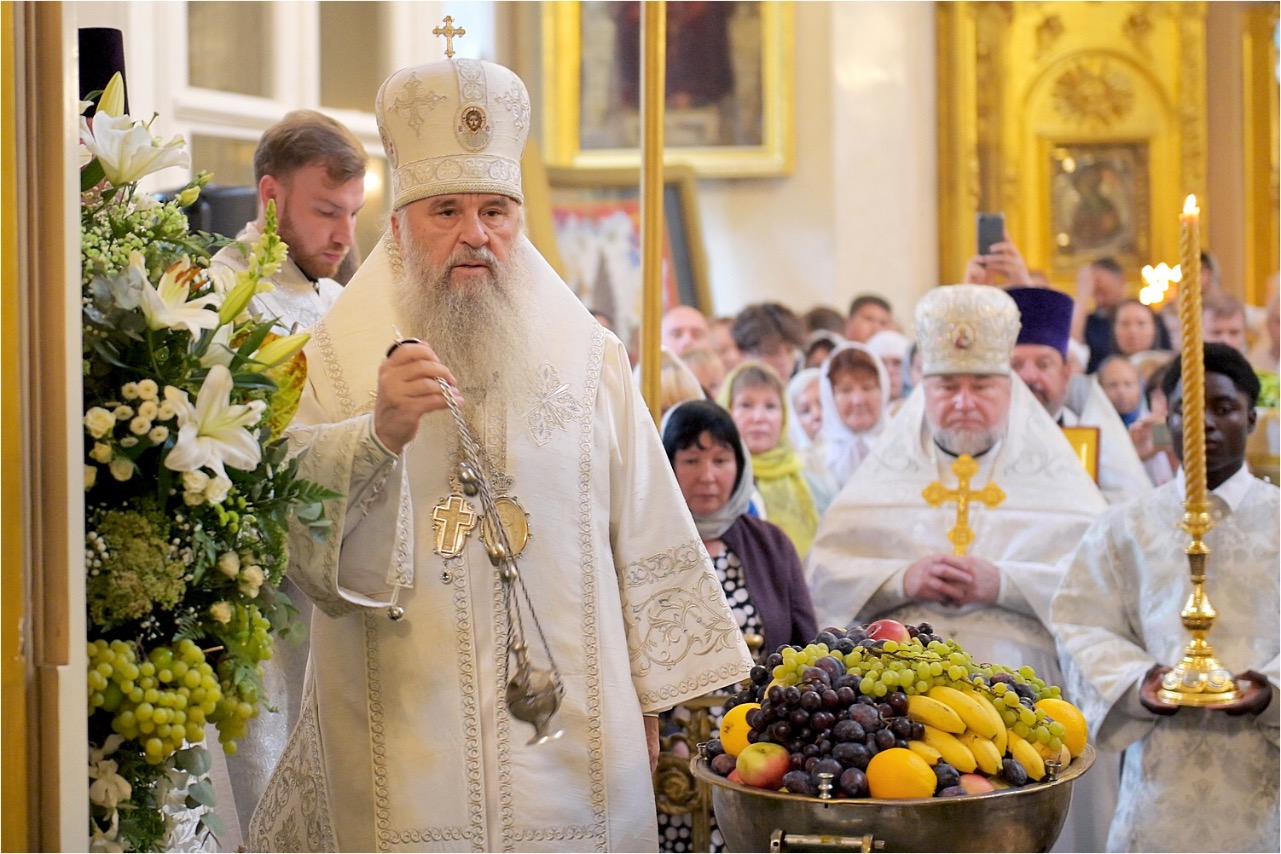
(653, 94)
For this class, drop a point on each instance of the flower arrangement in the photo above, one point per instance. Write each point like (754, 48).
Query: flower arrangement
(189, 486)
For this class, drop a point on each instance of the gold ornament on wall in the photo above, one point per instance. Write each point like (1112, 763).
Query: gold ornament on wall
(1093, 92)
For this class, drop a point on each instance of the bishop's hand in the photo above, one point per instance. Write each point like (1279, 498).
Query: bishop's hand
(937, 578)
(408, 389)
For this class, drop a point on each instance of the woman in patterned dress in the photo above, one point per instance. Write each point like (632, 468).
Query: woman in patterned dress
(757, 564)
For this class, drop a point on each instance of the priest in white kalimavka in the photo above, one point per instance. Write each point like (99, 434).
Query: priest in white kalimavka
(509, 535)
(884, 551)
(1041, 361)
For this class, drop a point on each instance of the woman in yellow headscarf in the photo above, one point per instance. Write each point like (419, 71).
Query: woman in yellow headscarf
(753, 394)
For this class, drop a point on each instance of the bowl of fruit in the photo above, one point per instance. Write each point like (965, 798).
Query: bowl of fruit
(863, 741)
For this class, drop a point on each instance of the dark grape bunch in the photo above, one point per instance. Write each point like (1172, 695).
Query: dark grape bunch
(840, 700)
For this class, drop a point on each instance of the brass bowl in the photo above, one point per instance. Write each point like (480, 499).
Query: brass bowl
(1019, 819)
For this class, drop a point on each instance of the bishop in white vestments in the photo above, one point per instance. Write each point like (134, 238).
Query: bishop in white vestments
(1196, 779)
(883, 551)
(406, 740)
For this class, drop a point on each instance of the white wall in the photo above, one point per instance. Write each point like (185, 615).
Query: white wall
(859, 213)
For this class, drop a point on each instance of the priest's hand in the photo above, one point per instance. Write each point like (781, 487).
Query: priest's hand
(937, 578)
(408, 389)
(651, 741)
(1255, 691)
(985, 580)
(1148, 689)
(1006, 261)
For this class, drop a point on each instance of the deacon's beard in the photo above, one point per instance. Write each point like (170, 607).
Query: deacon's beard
(479, 331)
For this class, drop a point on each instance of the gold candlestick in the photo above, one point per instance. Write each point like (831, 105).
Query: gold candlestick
(1199, 679)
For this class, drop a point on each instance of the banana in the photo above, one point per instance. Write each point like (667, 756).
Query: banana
(954, 753)
(933, 713)
(985, 752)
(1027, 756)
(999, 737)
(968, 708)
(923, 750)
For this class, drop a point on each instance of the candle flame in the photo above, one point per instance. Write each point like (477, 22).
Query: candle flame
(1189, 206)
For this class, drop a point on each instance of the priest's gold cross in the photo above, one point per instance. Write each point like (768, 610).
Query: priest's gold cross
(965, 467)
(450, 32)
(454, 520)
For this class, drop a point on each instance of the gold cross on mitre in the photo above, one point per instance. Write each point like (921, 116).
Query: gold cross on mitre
(454, 520)
(965, 467)
(450, 32)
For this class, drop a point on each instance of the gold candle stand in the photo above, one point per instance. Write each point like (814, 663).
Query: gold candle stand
(1199, 679)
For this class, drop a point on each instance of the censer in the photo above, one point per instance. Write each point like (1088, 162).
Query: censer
(533, 694)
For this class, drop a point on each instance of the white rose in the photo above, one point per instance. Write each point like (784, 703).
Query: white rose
(140, 426)
(129, 391)
(148, 390)
(221, 611)
(91, 476)
(216, 491)
(148, 409)
(193, 499)
(101, 452)
(229, 564)
(99, 422)
(250, 580)
(195, 481)
(122, 468)
(158, 434)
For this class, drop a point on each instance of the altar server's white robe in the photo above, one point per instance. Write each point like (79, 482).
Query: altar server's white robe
(405, 742)
(1198, 780)
(880, 524)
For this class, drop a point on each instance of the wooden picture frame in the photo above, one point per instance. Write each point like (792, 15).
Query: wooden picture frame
(596, 220)
(729, 68)
(1099, 204)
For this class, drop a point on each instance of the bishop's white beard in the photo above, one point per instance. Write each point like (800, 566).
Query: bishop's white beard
(973, 442)
(480, 332)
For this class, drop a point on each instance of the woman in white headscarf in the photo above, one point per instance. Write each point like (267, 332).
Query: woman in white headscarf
(854, 391)
(806, 412)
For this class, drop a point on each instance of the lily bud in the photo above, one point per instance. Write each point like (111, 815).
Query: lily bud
(112, 102)
(238, 299)
(279, 350)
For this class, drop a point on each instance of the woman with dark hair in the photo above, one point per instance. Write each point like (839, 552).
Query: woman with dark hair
(1137, 329)
(759, 568)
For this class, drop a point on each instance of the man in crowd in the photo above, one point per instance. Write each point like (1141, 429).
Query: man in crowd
(771, 332)
(883, 551)
(1040, 360)
(413, 733)
(1117, 616)
(1103, 283)
(313, 168)
(1223, 319)
(869, 314)
(683, 328)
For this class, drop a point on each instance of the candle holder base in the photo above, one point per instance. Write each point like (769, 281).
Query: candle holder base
(1199, 679)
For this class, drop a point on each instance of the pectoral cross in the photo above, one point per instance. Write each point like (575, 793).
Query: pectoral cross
(965, 467)
(450, 32)
(454, 520)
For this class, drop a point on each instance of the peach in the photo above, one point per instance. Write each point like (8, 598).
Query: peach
(976, 784)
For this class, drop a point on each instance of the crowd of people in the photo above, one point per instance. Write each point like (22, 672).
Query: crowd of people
(781, 493)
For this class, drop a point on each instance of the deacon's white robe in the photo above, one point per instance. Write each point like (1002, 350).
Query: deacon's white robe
(405, 742)
(1198, 780)
(297, 302)
(880, 524)
(1122, 476)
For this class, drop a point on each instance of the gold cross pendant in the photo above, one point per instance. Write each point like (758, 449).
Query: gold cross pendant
(965, 467)
(454, 520)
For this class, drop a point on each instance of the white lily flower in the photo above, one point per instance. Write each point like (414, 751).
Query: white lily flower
(214, 433)
(219, 351)
(108, 788)
(127, 150)
(167, 306)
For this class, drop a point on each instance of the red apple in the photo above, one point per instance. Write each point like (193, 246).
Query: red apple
(976, 784)
(733, 776)
(763, 764)
(888, 630)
